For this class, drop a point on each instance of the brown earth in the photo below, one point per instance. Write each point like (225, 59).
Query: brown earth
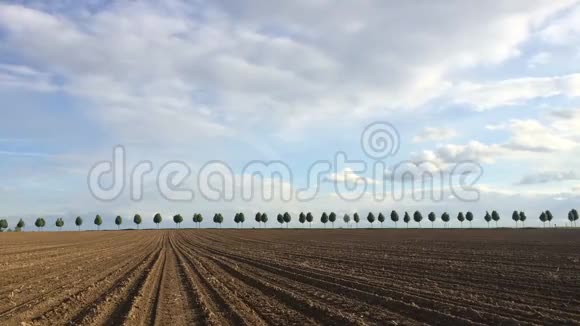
(291, 277)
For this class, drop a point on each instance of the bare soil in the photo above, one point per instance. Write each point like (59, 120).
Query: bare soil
(291, 277)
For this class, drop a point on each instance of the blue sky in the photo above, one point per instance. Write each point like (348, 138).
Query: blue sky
(491, 82)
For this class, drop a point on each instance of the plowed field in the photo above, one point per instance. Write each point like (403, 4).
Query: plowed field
(291, 277)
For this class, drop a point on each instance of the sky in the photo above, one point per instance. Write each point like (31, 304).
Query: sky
(492, 83)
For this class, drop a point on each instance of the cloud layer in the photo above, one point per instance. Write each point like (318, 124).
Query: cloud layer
(493, 82)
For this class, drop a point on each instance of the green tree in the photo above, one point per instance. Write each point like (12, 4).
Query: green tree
(381, 218)
(79, 222)
(3, 225)
(332, 218)
(461, 218)
(487, 218)
(522, 218)
(346, 220)
(432, 217)
(371, 218)
(394, 217)
(549, 218)
(445, 218)
(137, 220)
(287, 218)
(157, 219)
(495, 217)
(280, 219)
(38, 223)
(302, 218)
(264, 218)
(237, 219)
(20, 225)
(259, 218)
(324, 219)
(218, 219)
(197, 219)
(575, 215)
(242, 219)
(418, 217)
(543, 218)
(407, 219)
(98, 221)
(59, 223)
(309, 219)
(516, 217)
(356, 219)
(118, 221)
(469, 217)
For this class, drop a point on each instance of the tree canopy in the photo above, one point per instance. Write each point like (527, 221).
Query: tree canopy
(157, 219)
(79, 222)
(406, 219)
(371, 218)
(137, 220)
(98, 221)
(118, 221)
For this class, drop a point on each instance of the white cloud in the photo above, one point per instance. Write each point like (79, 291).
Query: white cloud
(19, 76)
(348, 175)
(23, 154)
(565, 29)
(539, 59)
(532, 135)
(548, 176)
(154, 65)
(452, 153)
(432, 134)
(527, 139)
(511, 92)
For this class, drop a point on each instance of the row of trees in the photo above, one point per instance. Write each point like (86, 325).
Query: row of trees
(286, 218)
(394, 216)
